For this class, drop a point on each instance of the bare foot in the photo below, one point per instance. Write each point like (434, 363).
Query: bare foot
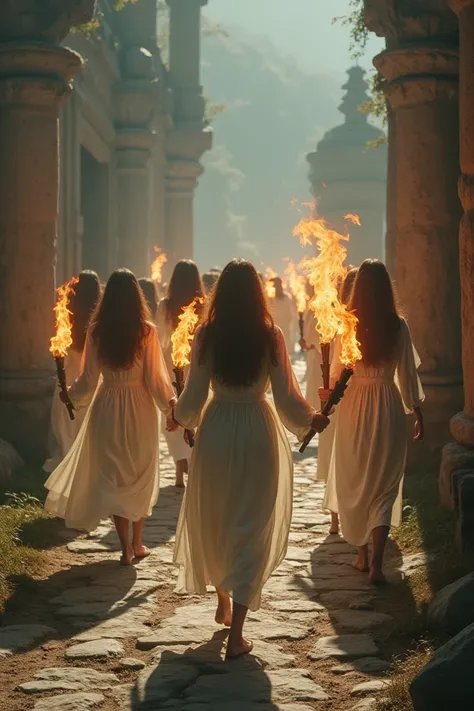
(334, 530)
(127, 556)
(224, 613)
(141, 551)
(234, 651)
(377, 577)
(361, 564)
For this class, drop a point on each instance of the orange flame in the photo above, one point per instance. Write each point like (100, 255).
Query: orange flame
(269, 285)
(325, 272)
(297, 284)
(157, 265)
(183, 335)
(62, 341)
(355, 219)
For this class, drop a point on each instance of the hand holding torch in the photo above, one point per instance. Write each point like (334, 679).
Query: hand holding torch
(61, 342)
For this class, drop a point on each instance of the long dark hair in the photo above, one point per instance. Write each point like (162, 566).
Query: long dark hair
(121, 321)
(373, 302)
(185, 285)
(238, 332)
(149, 292)
(82, 303)
(345, 290)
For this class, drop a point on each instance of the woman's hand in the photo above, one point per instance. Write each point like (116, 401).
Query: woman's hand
(302, 344)
(419, 425)
(171, 424)
(320, 422)
(324, 394)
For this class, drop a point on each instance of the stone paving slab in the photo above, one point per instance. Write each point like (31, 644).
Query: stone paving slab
(70, 702)
(17, 638)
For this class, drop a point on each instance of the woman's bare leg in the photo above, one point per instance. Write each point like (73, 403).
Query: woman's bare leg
(181, 470)
(379, 538)
(237, 644)
(361, 563)
(139, 549)
(334, 523)
(224, 609)
(122, 526)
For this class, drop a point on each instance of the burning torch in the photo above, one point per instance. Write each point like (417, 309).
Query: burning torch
(181, 340)
(331, 316)
(157, 265)
(61, 342)
(297, 284)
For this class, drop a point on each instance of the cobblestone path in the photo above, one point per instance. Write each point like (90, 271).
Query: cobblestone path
(103, 637)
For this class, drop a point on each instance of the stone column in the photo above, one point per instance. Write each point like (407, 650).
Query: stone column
(135, 108)
(457, 470)
(420, 68)
(189, 137)
(34, 82)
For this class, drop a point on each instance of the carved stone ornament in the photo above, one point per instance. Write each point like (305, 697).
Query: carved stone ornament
(45, 20)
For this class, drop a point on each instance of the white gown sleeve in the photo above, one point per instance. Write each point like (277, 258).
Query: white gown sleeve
(85, 385)
(293, 410)
(406, 376)
(196, 390)
(336, 365)
(156, 373)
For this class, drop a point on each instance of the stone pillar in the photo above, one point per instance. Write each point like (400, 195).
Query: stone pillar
(457, 470)
(420, 69)
(35, 79)
(189, 137)
(135, 110)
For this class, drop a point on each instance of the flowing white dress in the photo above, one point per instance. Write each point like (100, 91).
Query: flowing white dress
(64, 430)
(285, 317)
(314, 377)
(235, 519)
(112, 467)
(177, 446)
(368, 459)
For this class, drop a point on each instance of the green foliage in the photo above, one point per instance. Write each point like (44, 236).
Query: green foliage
(18, 559)
(213, 109)
(358, 31)
(89, 29)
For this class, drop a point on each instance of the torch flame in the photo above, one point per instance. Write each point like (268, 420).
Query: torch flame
(62, 341)
(183, 335)
(325, 272)
(270, 274)
(297, 285)
(157, 265)
(355, 219)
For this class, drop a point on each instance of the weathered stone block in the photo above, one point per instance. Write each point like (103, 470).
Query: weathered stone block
(447, 681)
(455, 458)
(452, 608)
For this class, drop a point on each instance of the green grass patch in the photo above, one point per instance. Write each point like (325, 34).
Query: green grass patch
(22, 519)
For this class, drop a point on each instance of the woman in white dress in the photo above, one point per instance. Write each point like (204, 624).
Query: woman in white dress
(81, 306)
(112, 467)
(326, 440)
(284, 314)
(370, 441)
(184, 286)
(235, 519)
